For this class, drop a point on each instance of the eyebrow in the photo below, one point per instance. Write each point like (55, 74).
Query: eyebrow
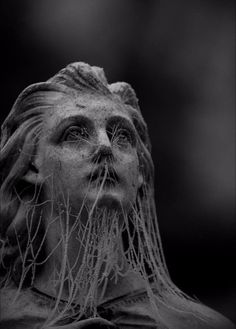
(66, 122)
(72, 119)
(84, 119)
(121, 120)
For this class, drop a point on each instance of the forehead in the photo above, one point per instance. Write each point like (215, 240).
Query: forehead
(95, 107)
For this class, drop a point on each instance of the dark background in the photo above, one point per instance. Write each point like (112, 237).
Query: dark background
(179, 57)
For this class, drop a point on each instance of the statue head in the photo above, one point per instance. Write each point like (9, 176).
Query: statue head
(72, 142)
(76, 166)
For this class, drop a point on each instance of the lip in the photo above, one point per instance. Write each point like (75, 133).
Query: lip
(97, 176)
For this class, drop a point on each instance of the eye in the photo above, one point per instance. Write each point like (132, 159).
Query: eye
(76, 133)
(121, 136)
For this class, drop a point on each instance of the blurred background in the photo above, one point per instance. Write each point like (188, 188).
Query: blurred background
(179, 57)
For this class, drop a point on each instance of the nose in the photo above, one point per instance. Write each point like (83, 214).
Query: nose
(103, 147)
(103, 139)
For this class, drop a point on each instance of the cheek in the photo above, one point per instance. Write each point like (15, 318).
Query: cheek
(130, 169)
(62, 161)
(63, 172)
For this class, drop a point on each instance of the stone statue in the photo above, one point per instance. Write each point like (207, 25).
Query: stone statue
(80, 245)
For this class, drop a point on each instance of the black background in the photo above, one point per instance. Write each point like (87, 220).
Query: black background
(179, 57)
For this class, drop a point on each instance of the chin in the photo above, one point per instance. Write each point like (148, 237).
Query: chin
(111, 200)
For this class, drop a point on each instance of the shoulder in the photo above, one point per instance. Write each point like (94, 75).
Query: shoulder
(195, 315)
(15, 305)
(170, 312)
(22, 323)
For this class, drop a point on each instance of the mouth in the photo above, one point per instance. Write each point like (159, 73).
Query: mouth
(104, 175)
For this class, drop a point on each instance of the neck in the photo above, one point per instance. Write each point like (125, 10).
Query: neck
(86, 256)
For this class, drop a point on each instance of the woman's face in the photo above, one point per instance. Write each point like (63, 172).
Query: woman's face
(87, 153)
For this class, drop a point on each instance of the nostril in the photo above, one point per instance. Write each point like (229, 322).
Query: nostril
(102, 153)
(105, 150)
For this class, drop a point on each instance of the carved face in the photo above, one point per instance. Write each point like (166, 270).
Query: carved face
(88, 147)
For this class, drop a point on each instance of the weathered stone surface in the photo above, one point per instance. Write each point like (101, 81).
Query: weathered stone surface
(79, 233)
